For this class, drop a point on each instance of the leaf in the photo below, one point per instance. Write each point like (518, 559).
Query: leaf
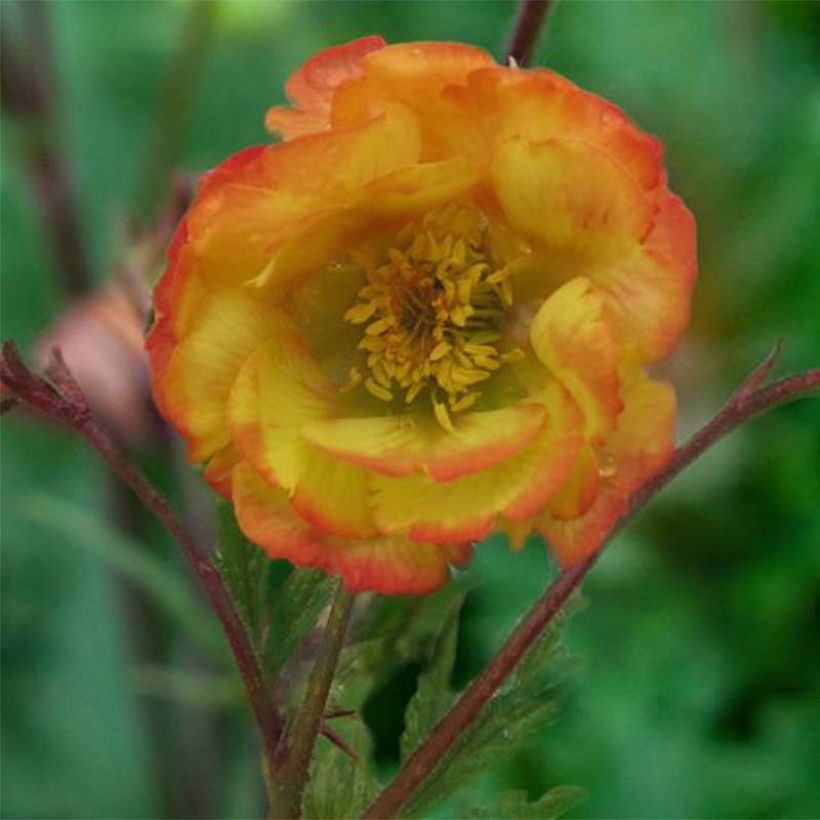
(243, 567)
(134, 560)
(525, 707)
(514, 805)
(303, 596)
(278, 604)
(340, 787)
(548, 655)
(434, 693)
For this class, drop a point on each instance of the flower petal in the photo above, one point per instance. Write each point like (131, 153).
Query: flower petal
(311, 88)
(392, 566)
(539, 105)
(278, 392)
(265, 516)
(639, 447)
(570, 337)
(572, 197)
(466, 508)
(192, 385)
(400, 445)
(416, 75)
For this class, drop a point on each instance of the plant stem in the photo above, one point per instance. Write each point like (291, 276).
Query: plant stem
(62, 401)
(743, 406)
(289, 782)
(528, 25)
(29, 93)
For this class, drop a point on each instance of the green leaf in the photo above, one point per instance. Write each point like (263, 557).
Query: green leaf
(134, 560)
(524, 708)
(279, 604)
(340, 787)
(514, 805)
(434, 694)
(243, 567)
(303, 596)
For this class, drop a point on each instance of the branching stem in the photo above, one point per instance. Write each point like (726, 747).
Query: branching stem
(750, 400)
(61, 400)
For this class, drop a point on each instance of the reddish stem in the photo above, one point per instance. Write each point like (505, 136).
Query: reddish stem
(743, 406)
(528, 25)
(61, 400)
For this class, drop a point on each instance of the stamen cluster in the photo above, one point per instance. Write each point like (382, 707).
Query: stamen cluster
(432, 307)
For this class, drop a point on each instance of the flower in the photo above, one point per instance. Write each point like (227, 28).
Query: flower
(426, 314)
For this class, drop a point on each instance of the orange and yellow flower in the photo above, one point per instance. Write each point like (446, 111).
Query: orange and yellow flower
(426, 315)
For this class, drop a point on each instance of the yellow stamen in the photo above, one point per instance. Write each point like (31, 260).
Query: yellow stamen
(433, 308)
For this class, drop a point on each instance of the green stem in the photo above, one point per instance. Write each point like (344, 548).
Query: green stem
(288, 784)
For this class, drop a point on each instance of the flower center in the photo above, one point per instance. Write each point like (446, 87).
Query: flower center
(433, 308)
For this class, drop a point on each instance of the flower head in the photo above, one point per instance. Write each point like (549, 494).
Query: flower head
(426, 315)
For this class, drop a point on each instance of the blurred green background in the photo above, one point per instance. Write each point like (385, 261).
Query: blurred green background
(697, 687)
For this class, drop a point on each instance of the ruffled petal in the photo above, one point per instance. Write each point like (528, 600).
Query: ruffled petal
(573, 198)
(252, 203)
(579, 491)
(265, 516)
(191, 382)
(639, 447)
(400, 445)
(466, 508)
(392, 566)
(570, 337)
(278, 392)
(540, 105)
(417, 75)
(590, 217)
(219, 470)
(311, 88)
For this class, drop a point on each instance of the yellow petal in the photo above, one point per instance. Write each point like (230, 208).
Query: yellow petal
(570, 337)
(193, 389)
(400, 445)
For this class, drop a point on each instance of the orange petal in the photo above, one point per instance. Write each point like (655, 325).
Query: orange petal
(219, 472)
(400, 445)
(647, 303)
(391, 566)
(416, 75)
(192, 384)
(278, 392)
(639, 447)
(572, 197)
(539, 105)
(466, 508)
(570, 336)
(557, 450)
(252, 203)
(579, 491)
(265, 516)
(311, 88)
(334, 497)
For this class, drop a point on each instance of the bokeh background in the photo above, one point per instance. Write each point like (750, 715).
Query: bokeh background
(696, 690)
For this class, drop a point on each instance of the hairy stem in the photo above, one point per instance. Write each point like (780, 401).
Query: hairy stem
(528, 25)
(289, 782)
(749, 401)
